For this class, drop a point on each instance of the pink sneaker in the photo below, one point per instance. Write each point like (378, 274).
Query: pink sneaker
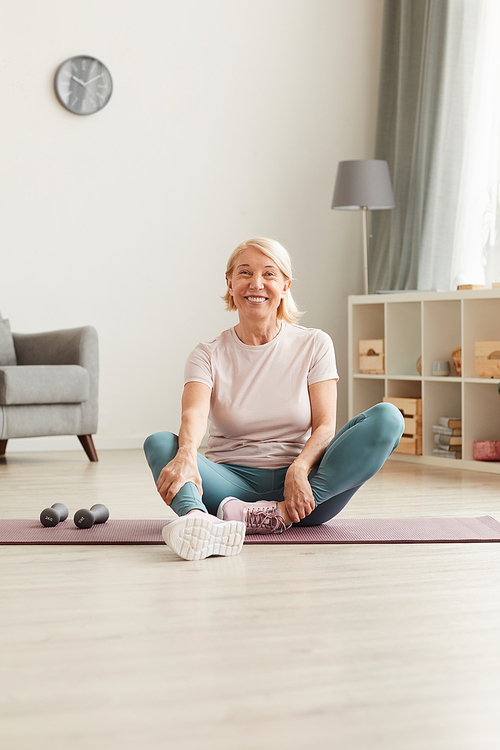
(198, 535)
(261, 517)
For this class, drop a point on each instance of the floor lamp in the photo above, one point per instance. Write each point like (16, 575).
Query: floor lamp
(363, 184)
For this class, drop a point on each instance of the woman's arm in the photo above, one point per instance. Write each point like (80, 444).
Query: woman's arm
(184, 468)
(299, 500)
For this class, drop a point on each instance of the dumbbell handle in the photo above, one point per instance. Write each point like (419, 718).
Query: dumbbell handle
(84, 518)
(51, 516)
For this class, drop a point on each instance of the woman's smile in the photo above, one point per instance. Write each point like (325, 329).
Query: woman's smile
(256, 299)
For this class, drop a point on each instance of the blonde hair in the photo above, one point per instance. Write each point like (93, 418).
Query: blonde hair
(287, 309)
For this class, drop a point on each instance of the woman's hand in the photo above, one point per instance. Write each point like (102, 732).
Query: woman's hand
(181, 469)
(299, 499)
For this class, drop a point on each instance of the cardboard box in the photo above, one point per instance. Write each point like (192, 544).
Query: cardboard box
(413, 426)
(409, 407)
(487, 359)
(488, 368)
(372, 356)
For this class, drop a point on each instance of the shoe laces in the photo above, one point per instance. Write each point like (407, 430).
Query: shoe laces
(265, 520)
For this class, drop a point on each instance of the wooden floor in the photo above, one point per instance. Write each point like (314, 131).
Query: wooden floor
(353, 647)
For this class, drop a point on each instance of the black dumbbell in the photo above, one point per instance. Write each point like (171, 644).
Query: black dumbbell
(51, 516)
(84, 518)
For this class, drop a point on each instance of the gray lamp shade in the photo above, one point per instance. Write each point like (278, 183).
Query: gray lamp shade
(363, 183)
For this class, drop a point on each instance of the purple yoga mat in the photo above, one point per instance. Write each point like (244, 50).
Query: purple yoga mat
(337, 531)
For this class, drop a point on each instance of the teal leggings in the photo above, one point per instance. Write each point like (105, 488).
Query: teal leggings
(354, 455)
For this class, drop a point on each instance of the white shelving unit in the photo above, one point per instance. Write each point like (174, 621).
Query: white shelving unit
(430, 325)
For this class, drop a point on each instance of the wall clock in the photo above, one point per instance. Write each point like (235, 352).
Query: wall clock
(83, 85)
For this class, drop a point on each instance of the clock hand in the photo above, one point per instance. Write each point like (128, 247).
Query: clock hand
(94, 79)
(79, 81)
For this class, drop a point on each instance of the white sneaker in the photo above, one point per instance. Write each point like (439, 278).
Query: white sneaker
(198, 535)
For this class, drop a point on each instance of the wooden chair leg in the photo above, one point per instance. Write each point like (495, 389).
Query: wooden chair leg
(88, 446)
(3, 446)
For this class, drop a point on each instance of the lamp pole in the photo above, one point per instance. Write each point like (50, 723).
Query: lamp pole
(364, 211)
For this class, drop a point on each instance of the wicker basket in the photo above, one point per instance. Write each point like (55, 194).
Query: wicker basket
(457, 359)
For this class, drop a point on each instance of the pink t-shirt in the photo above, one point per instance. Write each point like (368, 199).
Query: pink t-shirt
(260, 413)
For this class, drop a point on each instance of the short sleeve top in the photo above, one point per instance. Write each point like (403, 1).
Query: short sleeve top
(260, 413)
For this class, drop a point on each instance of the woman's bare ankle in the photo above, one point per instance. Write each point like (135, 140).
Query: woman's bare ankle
(284, 512)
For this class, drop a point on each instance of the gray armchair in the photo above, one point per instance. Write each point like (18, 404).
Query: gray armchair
(49, 385)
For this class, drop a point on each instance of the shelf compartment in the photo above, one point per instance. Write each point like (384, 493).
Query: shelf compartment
(481, 323)
(367, 323)
(403, 338)
(404, 388)
(442, 333)
(441, 398)
(481, 415)
(366, 392)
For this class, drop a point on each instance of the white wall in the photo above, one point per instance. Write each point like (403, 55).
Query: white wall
(227, 120)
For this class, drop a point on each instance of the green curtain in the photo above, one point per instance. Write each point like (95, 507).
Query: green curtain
(425, 80)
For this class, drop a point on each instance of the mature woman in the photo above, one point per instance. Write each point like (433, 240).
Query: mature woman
(269, 388)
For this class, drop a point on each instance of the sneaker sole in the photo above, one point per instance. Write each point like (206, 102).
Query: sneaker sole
(196, 538)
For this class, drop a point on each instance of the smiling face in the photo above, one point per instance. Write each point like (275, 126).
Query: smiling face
(256, 285)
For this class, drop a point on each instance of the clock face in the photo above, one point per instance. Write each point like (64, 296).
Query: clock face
(83, 85)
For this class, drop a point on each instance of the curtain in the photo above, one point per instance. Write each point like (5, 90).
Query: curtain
(426, 76)
(476, 256)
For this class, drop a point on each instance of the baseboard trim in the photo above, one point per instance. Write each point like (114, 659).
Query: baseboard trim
(70, 443)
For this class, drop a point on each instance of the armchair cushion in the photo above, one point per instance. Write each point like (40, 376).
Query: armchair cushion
(44, 384)
(7, 350)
